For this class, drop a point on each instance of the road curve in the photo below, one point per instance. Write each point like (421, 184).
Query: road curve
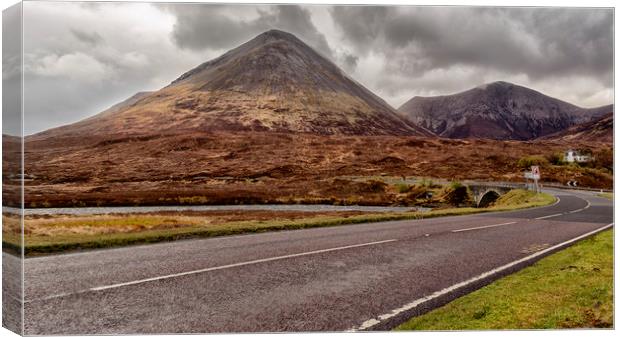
(367, 276)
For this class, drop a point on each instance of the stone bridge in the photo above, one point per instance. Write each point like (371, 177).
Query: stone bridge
(486, 193)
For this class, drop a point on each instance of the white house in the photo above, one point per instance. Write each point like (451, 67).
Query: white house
(572, 156)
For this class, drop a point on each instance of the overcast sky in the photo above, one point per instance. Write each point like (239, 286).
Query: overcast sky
(80, 58)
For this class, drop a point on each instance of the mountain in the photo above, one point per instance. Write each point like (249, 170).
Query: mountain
(498, 110)
(274, 82)
(598, 130)
(124, 104)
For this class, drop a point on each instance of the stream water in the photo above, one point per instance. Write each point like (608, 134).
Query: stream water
(151, 209)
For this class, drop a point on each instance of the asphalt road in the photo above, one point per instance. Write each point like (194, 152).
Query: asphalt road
(368, 276)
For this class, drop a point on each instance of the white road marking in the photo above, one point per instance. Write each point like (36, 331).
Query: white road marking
(548, 216)
(118, 285)
(192, 272)
(510, 223)
(483, 227)
(257, 261)
(588, 204)
(582, 209)
(374, 321)
(45, 298)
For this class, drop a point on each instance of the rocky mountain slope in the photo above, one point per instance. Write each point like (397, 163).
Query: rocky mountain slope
(598, 130)
(498, 110)
(275, 82)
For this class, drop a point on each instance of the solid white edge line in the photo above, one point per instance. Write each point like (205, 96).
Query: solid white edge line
(163, 277)
(374, 321)
(483, 227)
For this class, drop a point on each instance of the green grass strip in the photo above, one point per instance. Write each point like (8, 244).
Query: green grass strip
(569, 289)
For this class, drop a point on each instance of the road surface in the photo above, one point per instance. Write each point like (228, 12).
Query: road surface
(368, 276)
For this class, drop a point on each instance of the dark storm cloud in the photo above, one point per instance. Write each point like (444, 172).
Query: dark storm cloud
(350, 62)
(538, 42)
(92, 38)
(201, 27)
(80, 58)
(573, 40)
(361, 24)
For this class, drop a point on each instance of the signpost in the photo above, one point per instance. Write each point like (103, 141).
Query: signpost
(534, 174)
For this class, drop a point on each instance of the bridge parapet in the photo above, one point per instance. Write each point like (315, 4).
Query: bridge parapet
(486, 193)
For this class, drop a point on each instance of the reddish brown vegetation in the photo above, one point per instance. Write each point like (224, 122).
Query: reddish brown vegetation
(261, 167)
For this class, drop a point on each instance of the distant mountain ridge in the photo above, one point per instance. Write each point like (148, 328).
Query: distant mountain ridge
(598, 130)
(274, 82)
(498, 110)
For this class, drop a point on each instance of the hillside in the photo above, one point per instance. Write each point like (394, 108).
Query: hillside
(598, 130)
(270, 167)
(498, 110)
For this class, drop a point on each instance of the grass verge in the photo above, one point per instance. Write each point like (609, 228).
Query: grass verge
(607, 195)
(60, 242)
(569, 289)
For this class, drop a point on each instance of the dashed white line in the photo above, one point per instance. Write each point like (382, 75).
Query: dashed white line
(588, 204)
(548, 216)
(192, 272)
(118, 285)
(374, 321)
(483, 227)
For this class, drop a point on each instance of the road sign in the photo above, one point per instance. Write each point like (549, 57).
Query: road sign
(533, 174)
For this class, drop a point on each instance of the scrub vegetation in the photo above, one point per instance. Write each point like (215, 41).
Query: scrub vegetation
(58, 233)
(260, 168)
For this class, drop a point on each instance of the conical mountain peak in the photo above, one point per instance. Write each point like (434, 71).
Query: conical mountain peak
(280, 53)
(277, 34)
(274, 82)
(502, 84)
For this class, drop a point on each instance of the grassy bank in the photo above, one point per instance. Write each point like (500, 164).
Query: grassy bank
(607, 195)
(569, 289)
(58, 234)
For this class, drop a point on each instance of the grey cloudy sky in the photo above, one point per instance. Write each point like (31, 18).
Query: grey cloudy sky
(80, 58)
